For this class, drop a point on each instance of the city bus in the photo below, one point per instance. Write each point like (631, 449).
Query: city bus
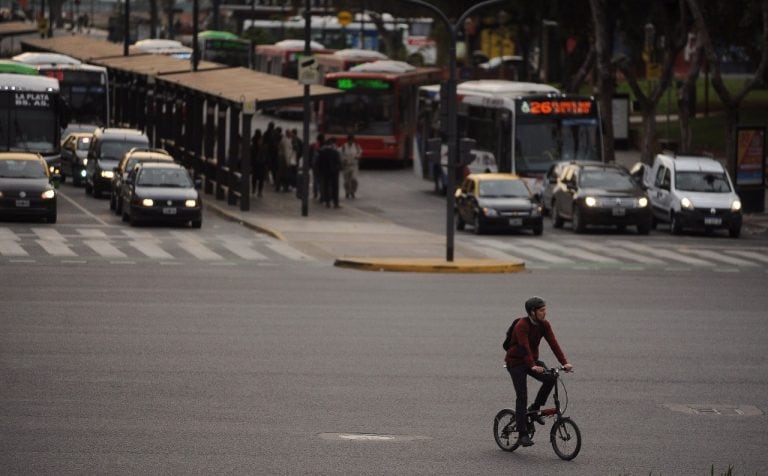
(31, 116)
(282, 58)
(84, 87)
(224, 47)
(378, 107)
(362, 33)
(344, 60)
(521, 128)
(13, 67)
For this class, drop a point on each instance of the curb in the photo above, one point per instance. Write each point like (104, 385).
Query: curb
(431, 265)
(246, 223)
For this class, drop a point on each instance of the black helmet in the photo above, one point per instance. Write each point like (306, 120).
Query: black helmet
(534, 303)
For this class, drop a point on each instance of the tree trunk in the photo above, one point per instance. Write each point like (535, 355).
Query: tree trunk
(686, 97)
(606, 83)
(153, 17)
(587, 67)
(648, 146)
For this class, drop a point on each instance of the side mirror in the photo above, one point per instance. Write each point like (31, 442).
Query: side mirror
(537, 197)
(571, 185)
(553, 180)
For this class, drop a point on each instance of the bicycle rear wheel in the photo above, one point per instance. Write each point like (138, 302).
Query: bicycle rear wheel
(566, 439)
(505, 430)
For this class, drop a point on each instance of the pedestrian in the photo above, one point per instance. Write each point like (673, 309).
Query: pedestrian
(314, 149)
(350, 160)
(268, 141)
(522, 360)
(286, 162)
(328, 167)
(258, 163)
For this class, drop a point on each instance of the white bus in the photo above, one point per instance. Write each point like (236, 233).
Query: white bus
(521, 128)
(31, 116)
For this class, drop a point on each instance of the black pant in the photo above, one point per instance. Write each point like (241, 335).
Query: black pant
(330, 189)
(519, 376)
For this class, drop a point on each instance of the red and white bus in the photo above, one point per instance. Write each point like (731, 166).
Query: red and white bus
(282, 58)
(378, 107)
(346, 59)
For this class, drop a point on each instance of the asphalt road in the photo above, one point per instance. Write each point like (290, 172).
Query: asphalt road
(284, 365)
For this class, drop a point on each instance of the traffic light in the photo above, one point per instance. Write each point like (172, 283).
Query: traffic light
(465, 151)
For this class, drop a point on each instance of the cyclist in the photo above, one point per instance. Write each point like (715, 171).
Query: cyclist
(522, 359)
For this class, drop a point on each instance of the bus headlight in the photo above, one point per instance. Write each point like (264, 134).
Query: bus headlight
(590, 201)
(642, 202)
(735, 206)
(107, 174)
(147, 202)
(48, 194)
(686, 203)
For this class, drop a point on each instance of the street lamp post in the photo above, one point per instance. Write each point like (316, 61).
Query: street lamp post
(450, 98)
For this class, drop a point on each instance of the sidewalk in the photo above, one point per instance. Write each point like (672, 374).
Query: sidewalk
(353, 238)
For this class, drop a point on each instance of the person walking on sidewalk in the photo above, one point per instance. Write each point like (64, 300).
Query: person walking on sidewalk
(350, 160)
(286, 161)
(328, 166)
(314, 150)
(258, 163)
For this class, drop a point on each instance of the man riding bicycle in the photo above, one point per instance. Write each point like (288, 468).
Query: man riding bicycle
(522, 359)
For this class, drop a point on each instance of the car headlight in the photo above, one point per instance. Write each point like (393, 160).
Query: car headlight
(1, 194)
(52, 169)
(85, 161)
(686, 203)
(535, 210)
(107, 174)
(735, 206)
(48, 194)
(147, 202)
(190, 203)
(642, 202)
(490, 212)
(82, 173)
(590, 201)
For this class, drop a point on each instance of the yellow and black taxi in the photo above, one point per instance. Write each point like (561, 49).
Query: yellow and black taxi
(126, 165)
(162, 192)
(27, 187)
(74, 156)
(497, 201)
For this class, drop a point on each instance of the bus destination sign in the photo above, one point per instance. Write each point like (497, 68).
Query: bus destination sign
(363, 83)
(29, 99)
(566, 107)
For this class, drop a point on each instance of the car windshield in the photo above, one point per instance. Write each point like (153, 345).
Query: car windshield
(116, 149)
(606, 180)
(22, 169)
(503, 188)
(83, 143)
(163, 178)
(712, 182)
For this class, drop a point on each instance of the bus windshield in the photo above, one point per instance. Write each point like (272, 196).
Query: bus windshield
(539, 144)
(31, 130)
(364, 112)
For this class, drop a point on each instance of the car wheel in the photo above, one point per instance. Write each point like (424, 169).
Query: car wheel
(478, 225)
(51, 217)
(674, 225)
(557, 220)
(578, 221)
(87, 187)
(133, 220)
(538, 229)
(460, 224)
(644, 228)
(734, 232)
(654, 222)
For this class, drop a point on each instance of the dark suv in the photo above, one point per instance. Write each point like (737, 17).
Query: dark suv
(602, 194)
(108, 146)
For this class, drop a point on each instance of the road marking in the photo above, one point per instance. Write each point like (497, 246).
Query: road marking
(721, 257)
(242, 248)
(48, 234)
(7, 234)
(751, 255)
(534, 253)
(660, 253)
(9, 247)
(198, 250)
(618, 253)
(137, 234)
(56, 247)
(91, 233)
(498, 254)
(288, 251)
(104, 248)
(77, 205)
(568, 249)
(150, 249)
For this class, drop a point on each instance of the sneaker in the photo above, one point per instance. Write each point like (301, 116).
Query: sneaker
(535, 415)
(524, 440)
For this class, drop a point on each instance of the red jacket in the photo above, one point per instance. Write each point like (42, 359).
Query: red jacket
(527, 337)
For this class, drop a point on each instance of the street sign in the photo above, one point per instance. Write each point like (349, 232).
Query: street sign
(308, 70)
(344, 17)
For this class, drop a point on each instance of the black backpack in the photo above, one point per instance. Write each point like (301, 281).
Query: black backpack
(508, 340)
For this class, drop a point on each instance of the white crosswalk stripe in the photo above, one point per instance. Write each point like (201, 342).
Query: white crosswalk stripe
(713, 255)
(753, 255)
(536, 254)
(92, 232)
(288, 251)
(620, 253)
(105, 248)
(150, 249)
(48, 234)
(9, 247)
(56, 247)
(674, 256)
(572, 251)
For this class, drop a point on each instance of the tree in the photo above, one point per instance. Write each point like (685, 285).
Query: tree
(748, 12)
(603, 19)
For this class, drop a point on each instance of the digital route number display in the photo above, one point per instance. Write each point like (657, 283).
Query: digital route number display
(560, 107)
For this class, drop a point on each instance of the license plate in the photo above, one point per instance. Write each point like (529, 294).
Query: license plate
(619, 211)
(515, 221)
(169, 211)
(22, 203)
(713, 221)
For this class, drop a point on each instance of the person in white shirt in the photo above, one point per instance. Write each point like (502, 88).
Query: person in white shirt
(350, 161)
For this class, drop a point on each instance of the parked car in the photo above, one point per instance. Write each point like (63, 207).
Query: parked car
(693, 193)
(162, 192)
(600, 194)
(27, 188)
(552, 180)
(108, 146)
(125, 166)
(499, 201)
(74, 155)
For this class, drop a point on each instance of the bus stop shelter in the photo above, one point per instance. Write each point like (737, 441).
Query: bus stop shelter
(84, 48)
(9, 31)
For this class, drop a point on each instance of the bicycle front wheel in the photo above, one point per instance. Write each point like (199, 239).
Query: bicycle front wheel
(505, 430)
(566, 439)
